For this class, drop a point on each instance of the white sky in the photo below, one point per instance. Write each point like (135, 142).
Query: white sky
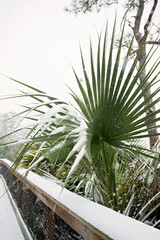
(39, 44)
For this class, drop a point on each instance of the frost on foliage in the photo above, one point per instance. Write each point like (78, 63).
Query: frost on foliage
(32, 164)
(48, 118)
(58, 130)
(77, 161)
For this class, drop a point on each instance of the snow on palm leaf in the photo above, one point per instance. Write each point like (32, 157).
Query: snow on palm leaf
(51, 130)
(55, 129)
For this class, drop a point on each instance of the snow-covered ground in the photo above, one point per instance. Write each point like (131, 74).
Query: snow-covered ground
(9, 227)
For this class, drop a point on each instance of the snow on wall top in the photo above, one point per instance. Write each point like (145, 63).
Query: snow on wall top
(113, 224)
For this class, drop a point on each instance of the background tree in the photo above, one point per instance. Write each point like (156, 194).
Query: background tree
(141, 29)
(89, 5)
(8, 123)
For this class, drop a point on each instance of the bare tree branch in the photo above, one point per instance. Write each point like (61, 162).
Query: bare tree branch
(88, 5)
(138, 19)
(153, 42)
(150, 17)
(128, 9)
(134, 51)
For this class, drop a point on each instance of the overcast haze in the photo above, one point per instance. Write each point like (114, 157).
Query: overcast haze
(39, 43)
